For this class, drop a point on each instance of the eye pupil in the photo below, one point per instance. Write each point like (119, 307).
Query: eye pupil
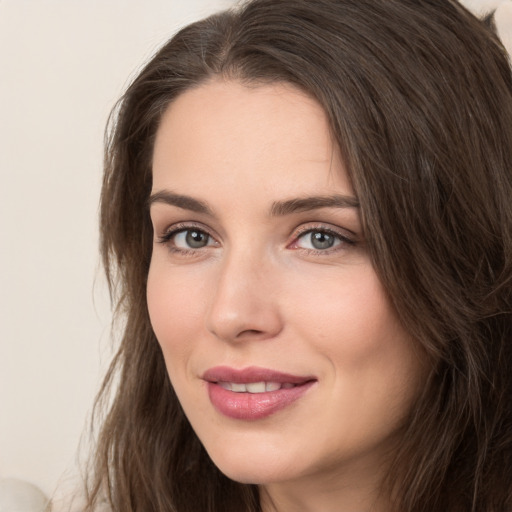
(196, 239)
(322, 240)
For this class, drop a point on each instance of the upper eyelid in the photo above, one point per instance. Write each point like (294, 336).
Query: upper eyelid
(346, 236)
(322, 226)
(177, 227)
(302, 229)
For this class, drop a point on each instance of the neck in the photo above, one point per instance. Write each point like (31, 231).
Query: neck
(350, 492)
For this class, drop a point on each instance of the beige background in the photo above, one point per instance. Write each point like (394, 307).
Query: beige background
(63, 63)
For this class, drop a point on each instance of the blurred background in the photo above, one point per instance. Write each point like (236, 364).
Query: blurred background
(63, 64)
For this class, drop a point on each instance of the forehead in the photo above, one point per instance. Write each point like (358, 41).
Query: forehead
(229, 131)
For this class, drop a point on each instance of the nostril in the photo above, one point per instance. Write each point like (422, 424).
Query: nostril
(249, 332)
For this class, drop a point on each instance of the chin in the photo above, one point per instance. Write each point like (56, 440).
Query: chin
(248, 468)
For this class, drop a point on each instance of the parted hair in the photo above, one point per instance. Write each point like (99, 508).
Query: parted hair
(418, 94)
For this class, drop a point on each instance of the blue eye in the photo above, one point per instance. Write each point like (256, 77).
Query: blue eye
(318, 240)
(191, 239)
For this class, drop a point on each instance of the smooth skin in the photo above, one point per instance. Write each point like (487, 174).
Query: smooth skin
(241, 275)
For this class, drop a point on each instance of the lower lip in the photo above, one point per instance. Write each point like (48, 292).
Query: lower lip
(253, 406)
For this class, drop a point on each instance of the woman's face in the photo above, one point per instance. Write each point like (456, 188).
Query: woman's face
(282, 346)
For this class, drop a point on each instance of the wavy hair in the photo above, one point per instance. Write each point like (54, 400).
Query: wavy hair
(419, 98)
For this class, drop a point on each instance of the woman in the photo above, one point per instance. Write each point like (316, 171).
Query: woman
(306, 221)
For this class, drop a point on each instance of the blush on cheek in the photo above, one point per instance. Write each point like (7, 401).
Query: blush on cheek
(176, 310)
(350, 309)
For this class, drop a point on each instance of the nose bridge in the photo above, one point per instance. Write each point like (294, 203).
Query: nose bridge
(244, 304)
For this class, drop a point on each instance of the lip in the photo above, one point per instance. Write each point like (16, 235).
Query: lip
(253, 406)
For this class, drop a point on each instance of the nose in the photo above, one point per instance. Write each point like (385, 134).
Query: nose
(244, 305)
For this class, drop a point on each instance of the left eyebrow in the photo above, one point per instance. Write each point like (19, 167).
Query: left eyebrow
(280, 208)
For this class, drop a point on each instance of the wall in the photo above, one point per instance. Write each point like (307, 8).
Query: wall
(63, 64)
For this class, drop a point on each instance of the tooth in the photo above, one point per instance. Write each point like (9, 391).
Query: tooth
(255, 387)
(272, 386)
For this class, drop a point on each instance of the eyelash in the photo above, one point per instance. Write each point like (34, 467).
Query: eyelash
(167, 238)
(343, 240)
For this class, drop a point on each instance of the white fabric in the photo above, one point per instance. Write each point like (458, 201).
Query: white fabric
(20, 496)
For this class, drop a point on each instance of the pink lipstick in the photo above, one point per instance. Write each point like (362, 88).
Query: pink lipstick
(253, 393)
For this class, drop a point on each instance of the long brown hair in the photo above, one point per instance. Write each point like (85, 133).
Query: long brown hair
(419, 98)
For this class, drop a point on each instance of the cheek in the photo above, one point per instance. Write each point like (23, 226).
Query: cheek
(349, 313)
(350, 322)
(175, 305)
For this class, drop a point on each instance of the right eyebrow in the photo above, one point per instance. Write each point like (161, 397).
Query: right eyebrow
(179, 200)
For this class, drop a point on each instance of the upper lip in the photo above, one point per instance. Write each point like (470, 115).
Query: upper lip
(252, 374)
